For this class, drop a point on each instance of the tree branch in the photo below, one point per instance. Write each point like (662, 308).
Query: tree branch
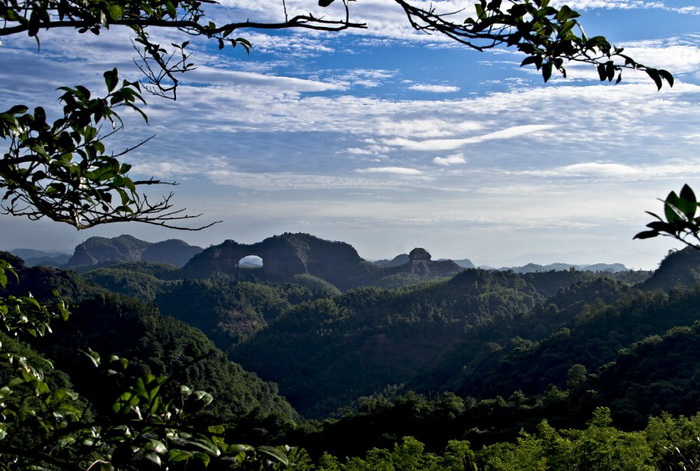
(191, 26)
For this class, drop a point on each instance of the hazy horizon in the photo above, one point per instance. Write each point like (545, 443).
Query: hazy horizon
(437, 253)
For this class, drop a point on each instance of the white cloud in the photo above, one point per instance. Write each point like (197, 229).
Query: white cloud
(453, 159)
(449, 144)
(368, 78)
(688, 10)
(358, 151)
(297, 44)
(434, 88)
(283, 129)
(608, 4)
(608, 170)
(680, 55)
(214, 76)
(391, 170)
(626, 5)
(289, 181)
(218, 170)
(427, 126)
(386, 21)
(371, 149)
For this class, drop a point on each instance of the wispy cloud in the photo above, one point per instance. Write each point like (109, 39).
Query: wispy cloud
(391, 170)
(608, 4)
(627, 5)
(368, 78)
(450, 144)
(454, 159)
(434, 88)
(621, 171)
(426, 126)
(297, 45)
(372, 149)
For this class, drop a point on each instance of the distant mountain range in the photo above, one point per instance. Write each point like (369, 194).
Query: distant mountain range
(598, 267)
(404, 258)
(126, 248)
(34, 257)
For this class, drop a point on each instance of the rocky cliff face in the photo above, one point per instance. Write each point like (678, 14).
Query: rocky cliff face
(287, 255)
(283, 256)
(405, 258)
(126, 248)
(420, 263)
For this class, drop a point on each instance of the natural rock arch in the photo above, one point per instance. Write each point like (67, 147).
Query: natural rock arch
(283, 256)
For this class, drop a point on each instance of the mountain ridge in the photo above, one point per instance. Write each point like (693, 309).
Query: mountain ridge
(127, 248)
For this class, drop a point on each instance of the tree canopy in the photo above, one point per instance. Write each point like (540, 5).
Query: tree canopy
(679, 219)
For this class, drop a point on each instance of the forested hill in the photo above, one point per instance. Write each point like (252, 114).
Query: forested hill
(482, 353)
(327, 352)
(304, 334)
(126, 248)
(679, 269)
(110, 324)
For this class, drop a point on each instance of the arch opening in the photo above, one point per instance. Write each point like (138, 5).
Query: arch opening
(251, 262)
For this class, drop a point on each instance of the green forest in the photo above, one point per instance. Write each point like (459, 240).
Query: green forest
(483, 370)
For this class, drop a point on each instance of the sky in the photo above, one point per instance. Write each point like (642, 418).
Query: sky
(389, 139)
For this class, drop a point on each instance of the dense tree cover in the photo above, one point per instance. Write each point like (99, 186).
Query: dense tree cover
(156, 344)
(678, 269)
(327, 352)
(665, 443)
(592, 339)
(522, 353)
(651, 378)
(228, 309)
(449, 335)
(129, 280)
(628, 350)
(657, 374)
(73, 400)
(469, 364)
(480, 334)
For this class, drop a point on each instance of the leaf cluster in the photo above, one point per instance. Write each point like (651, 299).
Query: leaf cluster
(160, 64)
(679, 220)
(62, 170)
(550, 38)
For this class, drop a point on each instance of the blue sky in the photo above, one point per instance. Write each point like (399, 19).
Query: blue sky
(389, 139)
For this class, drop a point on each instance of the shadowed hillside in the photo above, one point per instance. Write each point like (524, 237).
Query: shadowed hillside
(126, 248)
